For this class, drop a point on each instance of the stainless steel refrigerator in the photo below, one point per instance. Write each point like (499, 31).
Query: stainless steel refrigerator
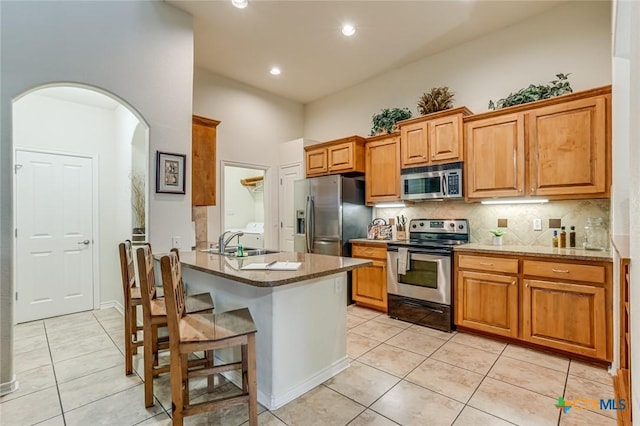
(329, 211)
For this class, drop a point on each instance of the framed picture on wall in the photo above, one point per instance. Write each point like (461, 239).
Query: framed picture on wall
(170, 173)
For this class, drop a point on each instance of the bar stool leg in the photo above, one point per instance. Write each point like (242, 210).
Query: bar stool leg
(177, 390)
(148, 366)
(133, 330)
(210, 378)
(128, 353)
(251, 378)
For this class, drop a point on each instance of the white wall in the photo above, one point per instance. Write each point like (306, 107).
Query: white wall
(139, 51)
(252, 124)
(573, 38)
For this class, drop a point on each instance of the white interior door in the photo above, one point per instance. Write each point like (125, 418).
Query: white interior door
(54, 243)
(288, 174)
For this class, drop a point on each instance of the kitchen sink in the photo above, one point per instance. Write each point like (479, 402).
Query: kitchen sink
(248, 251)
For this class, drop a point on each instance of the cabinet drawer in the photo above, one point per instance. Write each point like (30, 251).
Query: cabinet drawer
(369, 252)
(486, 263)
(565, 271)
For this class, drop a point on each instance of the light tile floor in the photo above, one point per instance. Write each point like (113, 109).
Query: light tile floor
(71, 371)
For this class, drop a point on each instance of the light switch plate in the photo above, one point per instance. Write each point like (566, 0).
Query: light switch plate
(175, 242)
(537, 224)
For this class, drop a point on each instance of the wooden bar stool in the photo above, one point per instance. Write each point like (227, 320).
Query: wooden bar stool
(154, 315)
(197, 332)
(131, 300)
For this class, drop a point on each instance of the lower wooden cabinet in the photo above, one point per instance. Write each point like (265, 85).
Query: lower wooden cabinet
(565, 316)
(369, 284)
(557, 304)
(487, 302)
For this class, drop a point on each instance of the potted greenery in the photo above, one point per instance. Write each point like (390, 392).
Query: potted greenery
(535, 93)
(497, 236)
(437, 99)
(385, 121)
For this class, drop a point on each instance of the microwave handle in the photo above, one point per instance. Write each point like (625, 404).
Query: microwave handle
(445, 190)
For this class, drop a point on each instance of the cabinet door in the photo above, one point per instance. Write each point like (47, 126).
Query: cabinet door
(568, 148)
(369, 285)
(316, 162)
(487, 302)
(203, 163)
(569, 317)
(495, 157)
(414, 144)
(340, 157)
(445, 142)
(382, 170)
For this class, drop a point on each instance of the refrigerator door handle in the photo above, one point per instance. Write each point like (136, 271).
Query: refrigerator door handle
(307, 232)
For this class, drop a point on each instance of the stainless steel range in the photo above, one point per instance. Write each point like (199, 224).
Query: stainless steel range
(420, 271)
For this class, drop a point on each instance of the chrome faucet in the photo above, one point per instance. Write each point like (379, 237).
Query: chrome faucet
(222, 243)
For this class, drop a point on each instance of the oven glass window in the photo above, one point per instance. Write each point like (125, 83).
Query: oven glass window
(421, 273)
(426, 185)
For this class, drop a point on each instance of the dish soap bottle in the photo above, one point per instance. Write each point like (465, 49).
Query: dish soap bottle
(563, 238)
(554, 239)
(572, 237)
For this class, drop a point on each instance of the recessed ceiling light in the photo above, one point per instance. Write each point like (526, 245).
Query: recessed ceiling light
(240, 4)
(348, 30)
(275, 71)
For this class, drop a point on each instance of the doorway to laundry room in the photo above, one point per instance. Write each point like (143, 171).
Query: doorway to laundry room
(244, 203)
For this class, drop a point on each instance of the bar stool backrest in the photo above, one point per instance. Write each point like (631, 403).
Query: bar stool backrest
(147, 276)
(127, 269)
(173, 293)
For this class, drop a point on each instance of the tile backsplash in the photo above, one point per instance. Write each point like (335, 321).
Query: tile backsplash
(519, 217)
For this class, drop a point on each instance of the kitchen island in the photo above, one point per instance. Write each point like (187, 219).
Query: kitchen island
(300, 315)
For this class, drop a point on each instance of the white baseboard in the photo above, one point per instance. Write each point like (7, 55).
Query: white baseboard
(112, 304)
(273, 402)
(7, 388)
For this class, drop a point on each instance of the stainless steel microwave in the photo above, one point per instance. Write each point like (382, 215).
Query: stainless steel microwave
(432, 182)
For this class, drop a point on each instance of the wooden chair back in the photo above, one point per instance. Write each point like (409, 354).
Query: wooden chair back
(127, 269)
(173, 293)
(147, 276)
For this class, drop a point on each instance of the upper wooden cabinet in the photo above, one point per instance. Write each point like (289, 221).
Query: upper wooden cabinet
(382, 169)
(495, 157)
(203, 162)
(569, 147)
(558, 148)
(341, 156)
(433, 138)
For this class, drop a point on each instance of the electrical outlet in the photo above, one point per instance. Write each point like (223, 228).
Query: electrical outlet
(175, 242)
(537, 224)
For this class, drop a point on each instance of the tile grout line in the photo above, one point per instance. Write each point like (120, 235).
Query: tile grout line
(55, 377)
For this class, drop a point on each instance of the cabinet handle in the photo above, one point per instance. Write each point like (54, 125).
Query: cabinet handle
(513, 283)
(533, 190)
(560, 271)
(369, 252)
(527, 285)
(486, 263)
(519, 189)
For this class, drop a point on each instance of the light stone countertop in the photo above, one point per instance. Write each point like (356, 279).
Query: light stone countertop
(539, 251)
(313, 266)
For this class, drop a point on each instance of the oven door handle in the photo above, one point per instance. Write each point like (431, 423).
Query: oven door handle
(417, 305)
(431, 256)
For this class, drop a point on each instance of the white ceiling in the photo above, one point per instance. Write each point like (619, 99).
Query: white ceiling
(303, 38)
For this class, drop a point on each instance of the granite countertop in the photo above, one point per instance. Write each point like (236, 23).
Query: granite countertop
(539, 251)
(313, 266)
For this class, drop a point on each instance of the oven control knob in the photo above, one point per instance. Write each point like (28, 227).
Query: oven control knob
(460, 226)
(414, 226)
(421, 223)
(452, 225)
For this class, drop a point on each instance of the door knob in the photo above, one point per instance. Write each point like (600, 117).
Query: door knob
(85, 242)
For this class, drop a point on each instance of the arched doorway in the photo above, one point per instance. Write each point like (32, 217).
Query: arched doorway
(80, 187)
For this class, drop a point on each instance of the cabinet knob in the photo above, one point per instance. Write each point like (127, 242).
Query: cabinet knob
(527, 285)
(519, 189)
(533, 190)
(513, 282)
